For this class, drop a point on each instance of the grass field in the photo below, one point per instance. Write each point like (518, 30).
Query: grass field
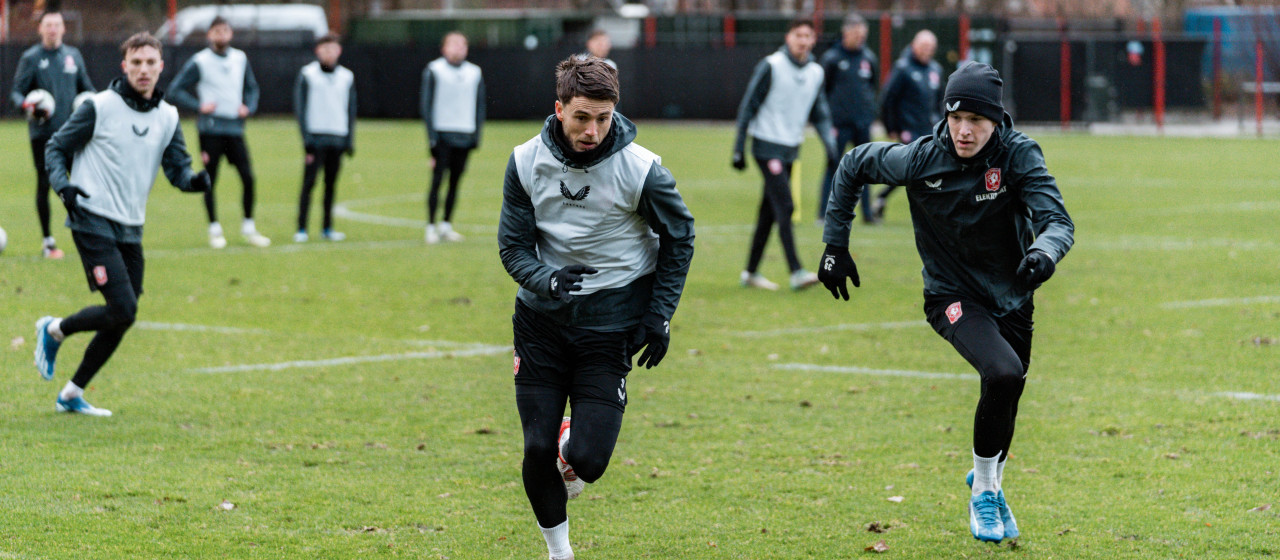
(355, 399)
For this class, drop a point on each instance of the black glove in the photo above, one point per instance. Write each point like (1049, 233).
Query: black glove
(739, 161)
(654, 335)
(566, 280)
(200, 182)
(68, 195)
(351, 150)
(1035, 268)
(836, 265)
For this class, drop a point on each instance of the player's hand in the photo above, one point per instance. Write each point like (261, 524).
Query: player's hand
(200, 182)
(351, 150)
(654, 335)
(69, 194)
(836, 265)
(739, 161)
(1035, 268)
(567, 280)
(207, 108)
(243, 111)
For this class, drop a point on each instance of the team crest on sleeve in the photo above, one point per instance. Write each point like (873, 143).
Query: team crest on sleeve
(954, 312)
(516, 368)
(100, 275)
(993, 179)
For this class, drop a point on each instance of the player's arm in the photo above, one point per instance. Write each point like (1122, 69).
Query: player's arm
(351, 120)
(757, 90)
(830, 69)
(176, 163)
(889, 112)
(252, 93)
(300, 91)
(480, 108)
(518, 234)
(873, 163)
(1055, 232)
(664, 210)
(425, 101)
(83, 83)
(68, 140)
(820, 117)
(24, 80)
(180, 88)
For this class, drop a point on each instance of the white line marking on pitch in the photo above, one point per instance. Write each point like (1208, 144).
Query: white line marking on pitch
(1221, 302)
(153, 326)
(882, 372)
(349, 360)
(858, 327)
(1247, 396)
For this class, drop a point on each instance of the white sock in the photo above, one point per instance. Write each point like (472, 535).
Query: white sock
(445, 227)
(558, 540)
(431, 227)
(49, 242)
(55, 330)
(985, 477)
(71, 391)
(248, 227)
(1000, 472)
(215, 229)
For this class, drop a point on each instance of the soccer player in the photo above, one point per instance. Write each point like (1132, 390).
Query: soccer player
(119, 137)
(912, 100)
(990, 226)
(324, 99)
(599, 45)
(226, 94)
(452, 106)
(599, 240)
(58, 69)
(785, 91)
(851, 84)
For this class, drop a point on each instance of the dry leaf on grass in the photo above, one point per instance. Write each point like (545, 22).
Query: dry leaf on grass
(880, 546)
(896, 499)
(1263, 507)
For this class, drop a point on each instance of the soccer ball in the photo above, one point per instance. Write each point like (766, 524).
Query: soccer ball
(38, 105)
(80, 99)
(4, 240)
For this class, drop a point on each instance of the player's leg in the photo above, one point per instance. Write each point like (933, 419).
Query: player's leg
(310, 166)
(332, 165)
(441, 156)
(237, 152)
(457, 165)
(211, 152)
(598, 397)
(541, 395)
(844, 135)
(49, 248)
(777, 189)
(974, 332)
(764, 225)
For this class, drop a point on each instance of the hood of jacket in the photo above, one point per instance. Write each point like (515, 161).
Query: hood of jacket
(995, 145)
(787, 53)
(135, 100)
(621, 133)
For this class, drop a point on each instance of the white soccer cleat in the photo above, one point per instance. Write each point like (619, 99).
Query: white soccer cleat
(301, 237)
(330, 235)
(573, 485)
(755, 280)
(432, 236)
(216, 239)
(79, 406)
(802, 279)
(447, 233)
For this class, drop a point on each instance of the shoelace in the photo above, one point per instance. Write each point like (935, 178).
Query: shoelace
(987, 508)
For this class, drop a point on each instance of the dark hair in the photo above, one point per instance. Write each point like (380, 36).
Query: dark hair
(328, 38)
(47, 13)
(596, 33)
(588, 77)
(799, 22)
(218, 20)
(139, 40)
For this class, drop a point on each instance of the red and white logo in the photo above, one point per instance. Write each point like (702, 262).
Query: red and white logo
(993, 179)
(100, 275)
(517, 366)
(954, 313)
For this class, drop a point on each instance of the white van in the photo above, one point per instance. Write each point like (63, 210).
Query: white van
(264, 25)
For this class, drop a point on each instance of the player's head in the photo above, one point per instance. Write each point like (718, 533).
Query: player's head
(923, 45)
(853, 34)
(51, 29)
(974, 107)
(598, 43)
(329, 49)
(142, 62)
(586, 95)
(454, 47)
(800, 39)
(219, 33)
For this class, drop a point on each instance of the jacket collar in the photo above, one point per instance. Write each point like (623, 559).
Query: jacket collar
(133, 99)
(786, 53)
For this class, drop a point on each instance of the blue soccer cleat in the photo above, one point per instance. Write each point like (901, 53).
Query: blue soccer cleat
(79, 406)
(984, 517)
(46, 348)
(1006, 515)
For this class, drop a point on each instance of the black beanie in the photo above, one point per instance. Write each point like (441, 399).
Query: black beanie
(975, 87)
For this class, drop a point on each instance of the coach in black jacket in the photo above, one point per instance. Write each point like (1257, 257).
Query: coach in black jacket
(990, 226)
(851, 84)
(912, 101)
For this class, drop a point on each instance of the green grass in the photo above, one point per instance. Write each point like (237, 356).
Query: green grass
(1123, 449)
